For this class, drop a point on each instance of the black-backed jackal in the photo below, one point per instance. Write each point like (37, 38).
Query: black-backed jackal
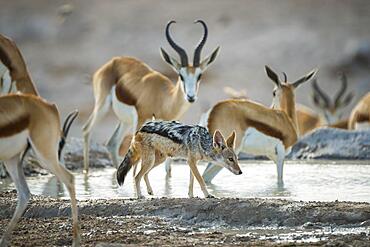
(157, 140)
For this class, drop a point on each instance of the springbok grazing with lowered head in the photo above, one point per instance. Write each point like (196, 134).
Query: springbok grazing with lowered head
(136, 92)
(331, 111)
(360, 115)
(259, 130)
(30, 119)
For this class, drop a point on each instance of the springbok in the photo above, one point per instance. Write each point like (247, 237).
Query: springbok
(14, 69)
(331, 110)
(136, 92)
(15, 77)
(30, 119)
(259, 130)
(360, 115)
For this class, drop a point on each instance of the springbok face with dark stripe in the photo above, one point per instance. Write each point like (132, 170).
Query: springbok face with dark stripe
(332, 110)
(189, 75)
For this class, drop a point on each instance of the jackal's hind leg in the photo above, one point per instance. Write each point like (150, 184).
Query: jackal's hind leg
(147, 162)
(159, 158)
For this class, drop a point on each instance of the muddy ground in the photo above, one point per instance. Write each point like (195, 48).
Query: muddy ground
(184, 222)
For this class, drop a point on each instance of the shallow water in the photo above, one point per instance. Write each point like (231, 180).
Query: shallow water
(325, 181)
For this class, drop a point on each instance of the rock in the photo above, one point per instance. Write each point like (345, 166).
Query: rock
(73, 158)
(73, 155)
(335, 144)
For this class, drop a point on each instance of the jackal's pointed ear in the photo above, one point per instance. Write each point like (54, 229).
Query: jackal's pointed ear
(218, 140)
(170, 60)
(231, 140)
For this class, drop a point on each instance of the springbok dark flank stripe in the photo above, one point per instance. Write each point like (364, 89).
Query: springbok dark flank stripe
(14, 127)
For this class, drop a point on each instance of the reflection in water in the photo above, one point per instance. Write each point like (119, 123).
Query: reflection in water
(168, 186)
(303, 181)
(54, 188)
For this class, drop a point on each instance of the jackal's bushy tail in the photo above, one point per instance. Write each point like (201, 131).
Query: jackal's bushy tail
(129, 161)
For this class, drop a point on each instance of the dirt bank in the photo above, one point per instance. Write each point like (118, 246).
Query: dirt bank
(180, 222)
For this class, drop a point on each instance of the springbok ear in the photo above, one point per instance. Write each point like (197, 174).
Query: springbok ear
(230, 142)
(170, 60)
(210, 59)
(218, 140)
(304, 78)
(272, 75)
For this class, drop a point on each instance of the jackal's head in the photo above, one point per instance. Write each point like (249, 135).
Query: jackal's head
(224, 152)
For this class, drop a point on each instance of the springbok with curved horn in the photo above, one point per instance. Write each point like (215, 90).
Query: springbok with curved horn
(331, 110)
(259, 130)
(360, 115)
(23, 119)
(136, 92)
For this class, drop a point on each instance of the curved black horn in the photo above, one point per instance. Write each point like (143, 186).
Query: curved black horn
(199, 48)
(285, 77)
(342, 90)
(66, 126)
(68, 122)
(321, 93)
(178, 49)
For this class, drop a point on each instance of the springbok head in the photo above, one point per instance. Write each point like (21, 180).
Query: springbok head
(283, 93)
(189, 74)
(332, 109)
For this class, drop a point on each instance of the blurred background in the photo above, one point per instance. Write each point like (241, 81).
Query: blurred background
(64, 42)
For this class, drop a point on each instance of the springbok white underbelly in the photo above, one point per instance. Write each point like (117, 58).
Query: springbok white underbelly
(256, 143)
(11, 146)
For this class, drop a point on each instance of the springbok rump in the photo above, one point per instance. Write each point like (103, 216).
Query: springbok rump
(29, 119)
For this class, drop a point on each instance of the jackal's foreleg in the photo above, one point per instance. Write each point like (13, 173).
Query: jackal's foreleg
(193, 166)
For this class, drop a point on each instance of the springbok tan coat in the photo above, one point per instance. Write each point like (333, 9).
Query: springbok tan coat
(12, 59)
(23, 119)
(360, 115)
(259, 130)
(136, 93)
